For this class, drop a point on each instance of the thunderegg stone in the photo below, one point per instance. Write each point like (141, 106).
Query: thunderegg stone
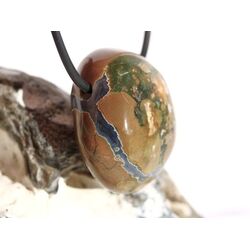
(37, 147)
(126, 126)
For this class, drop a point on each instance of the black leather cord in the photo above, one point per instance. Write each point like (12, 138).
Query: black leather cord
(145, 44)
(74, 75)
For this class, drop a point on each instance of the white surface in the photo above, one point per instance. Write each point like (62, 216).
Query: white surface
(18, 202)
(202, 48)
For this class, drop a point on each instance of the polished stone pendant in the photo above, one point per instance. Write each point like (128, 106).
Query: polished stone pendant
(125, 128)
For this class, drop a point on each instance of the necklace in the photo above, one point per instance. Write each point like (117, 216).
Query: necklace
(123, 116)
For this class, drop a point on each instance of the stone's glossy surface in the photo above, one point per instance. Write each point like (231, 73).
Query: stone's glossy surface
(125, 128)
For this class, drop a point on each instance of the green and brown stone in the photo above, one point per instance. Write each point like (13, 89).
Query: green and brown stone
(135, 77)
(137, 106)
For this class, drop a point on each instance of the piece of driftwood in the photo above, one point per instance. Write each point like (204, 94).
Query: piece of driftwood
(38, 146)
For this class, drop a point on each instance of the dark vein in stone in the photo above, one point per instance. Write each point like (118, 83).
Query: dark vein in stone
(104, 128)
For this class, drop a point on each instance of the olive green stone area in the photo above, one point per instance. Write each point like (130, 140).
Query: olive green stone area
(136, 77)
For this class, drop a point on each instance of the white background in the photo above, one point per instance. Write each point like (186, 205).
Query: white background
(202, 48)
